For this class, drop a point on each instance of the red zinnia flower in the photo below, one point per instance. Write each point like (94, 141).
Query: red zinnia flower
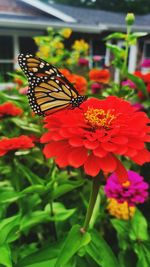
(9, 109)
(144, 76)
(95, 134)
(15, 143)
(139, 74)
(101, 76)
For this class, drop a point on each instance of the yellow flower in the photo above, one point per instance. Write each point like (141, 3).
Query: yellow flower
(59, 52)
(43, 52)
(66, 32)
(44, 49)
(37, 40)
(80, 45)
(58, 45)
(120, 210)
(69, 61)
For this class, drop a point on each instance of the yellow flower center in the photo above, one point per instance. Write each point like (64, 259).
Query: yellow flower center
(99, 118)
(126, 184)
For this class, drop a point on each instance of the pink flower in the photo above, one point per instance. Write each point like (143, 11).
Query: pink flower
(129, 83)
(83, 62)
(96, 87)
(145, 63)
(97, 58)
(138, 106)
(134, 191)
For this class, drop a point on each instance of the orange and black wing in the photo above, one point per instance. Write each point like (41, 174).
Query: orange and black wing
(49, 91)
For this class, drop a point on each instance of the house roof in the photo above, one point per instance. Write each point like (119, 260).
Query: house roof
(38, 15)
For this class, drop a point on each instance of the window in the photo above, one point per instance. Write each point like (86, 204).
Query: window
(6, 57)
(146, 51)
(27, 45)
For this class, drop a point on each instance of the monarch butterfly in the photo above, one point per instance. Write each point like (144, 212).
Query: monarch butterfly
(49, 91)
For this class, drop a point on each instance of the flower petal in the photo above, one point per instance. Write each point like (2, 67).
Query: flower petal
(90, 145)
(121, 172)
(108, 163)
(76, 141)
(92, 165)
(142, 157)
(77, 157)
(119, 140)
(100, 152)
(108, 146)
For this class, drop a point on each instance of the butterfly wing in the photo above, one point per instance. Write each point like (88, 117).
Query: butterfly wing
(48, 96)
(49, 91)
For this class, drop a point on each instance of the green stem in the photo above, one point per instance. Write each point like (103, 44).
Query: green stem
(53, 226)
(126, 51)
(92, 201)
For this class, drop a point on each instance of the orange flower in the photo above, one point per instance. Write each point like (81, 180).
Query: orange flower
(65, 72)
(101, 76)
(79, 82)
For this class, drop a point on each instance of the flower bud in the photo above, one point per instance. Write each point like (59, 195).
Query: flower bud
(130, 18)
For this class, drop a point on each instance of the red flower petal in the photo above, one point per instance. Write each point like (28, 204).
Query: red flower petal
(50, 150)
(108, 163)
(109, 146)
(121, 149)
(121, 172)
(92, 165)
(77, 157)
(76, 141)
(62, 159)
(90, 145)
(142, 157)
(131, 152)
(135, 143)
(119, 140)
(100, 152)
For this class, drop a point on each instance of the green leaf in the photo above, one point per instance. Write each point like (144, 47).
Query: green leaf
(115, 49)
(127, 258)
(5, 256)
(35, 218)
(60, 212)
(38, 217)
(9, 229)
(37, 188)
(49, 263)
(143, 253)
(122, 228)
(139, 34)
(100, 251)
(74, 241)
(25, 172)
(65, 188)
(139, 227)
(116, 35)
(139, 83)
(26, 125)
(8, 195)
(42, 256)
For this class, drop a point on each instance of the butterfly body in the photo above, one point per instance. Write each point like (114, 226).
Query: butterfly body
(49, 91)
